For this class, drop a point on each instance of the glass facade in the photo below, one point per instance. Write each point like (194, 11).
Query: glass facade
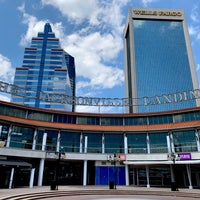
(47, 69)
(158, 62)
(161, 61)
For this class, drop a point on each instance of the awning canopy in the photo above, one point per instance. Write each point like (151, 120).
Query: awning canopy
(15, 163)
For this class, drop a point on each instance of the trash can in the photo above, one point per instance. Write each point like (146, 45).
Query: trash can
(174, 186)
(111, 185)
(53, 185)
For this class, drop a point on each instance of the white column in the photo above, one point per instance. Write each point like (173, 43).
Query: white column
(58, 143)
(148, 144)
(168, 144)
(103, 143)
(32, 177)
(189, 176)
(44, 141)
(197, 140)
(41, 170)
(86, 144)
(85, 173)
(171, 142)
(34, 140)
(11, 178)
(147, 173)
(81, 143)
(85, 163)
(9, 136)
(125, 144)
(127, 175)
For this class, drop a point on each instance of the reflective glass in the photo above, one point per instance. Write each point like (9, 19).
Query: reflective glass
(161, 58)
(185, 141)
(137, 143)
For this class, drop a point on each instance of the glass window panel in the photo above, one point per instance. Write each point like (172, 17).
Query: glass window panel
(21, 137)
(158, 142)
(94, 142)
(114, 143)
(137, 143)
(185, 141)
(70, 141)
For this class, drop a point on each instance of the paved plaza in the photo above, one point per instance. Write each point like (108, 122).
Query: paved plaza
(99, 193)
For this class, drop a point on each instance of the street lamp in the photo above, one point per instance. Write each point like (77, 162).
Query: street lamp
(58, 155)
(173, 157)
(113, 158)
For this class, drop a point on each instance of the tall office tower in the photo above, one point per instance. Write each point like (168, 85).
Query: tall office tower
(48, 70)
(160, 72)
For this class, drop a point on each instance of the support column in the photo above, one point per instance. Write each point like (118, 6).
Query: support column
(147, 173)
(34, 140)
(172, 173)
(81, 143)
(148, 144)
(103, 143)
(127, 175)
(58, 143)
(9, 136)
(168, 144)
(189, 176)
(197, 140)
(125, 144)
(32, 178)
(44, 141)
(85, 163)
(41, 170)
(171, 142)
(11, 178)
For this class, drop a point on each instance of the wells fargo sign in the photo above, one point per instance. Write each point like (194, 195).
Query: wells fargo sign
(92, 101)
(157, 13)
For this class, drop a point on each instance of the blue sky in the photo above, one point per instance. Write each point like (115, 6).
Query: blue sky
(89, 30)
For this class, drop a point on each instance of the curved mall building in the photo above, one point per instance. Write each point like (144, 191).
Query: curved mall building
(146, 149)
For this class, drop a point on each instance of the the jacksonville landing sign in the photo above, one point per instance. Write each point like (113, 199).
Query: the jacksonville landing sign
(92, 101)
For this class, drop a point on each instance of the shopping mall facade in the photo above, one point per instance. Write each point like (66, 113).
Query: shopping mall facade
(41, 145)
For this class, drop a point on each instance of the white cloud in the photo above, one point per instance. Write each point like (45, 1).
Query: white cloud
(146, 2)
(195, 14)
(35, 26)
(4, 97)
(6, 72)
(198, 67)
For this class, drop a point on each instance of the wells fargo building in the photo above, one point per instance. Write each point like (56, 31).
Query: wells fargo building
(158, 59)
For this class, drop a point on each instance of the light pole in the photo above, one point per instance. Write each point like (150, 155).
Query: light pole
(173, 157)
(58, 156)
(113, 158)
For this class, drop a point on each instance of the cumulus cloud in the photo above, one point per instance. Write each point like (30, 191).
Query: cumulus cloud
(194, 28)
(35, 26)
(146, 2)
(6, 72)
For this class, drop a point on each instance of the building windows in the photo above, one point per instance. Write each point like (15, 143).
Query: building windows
(137, 143)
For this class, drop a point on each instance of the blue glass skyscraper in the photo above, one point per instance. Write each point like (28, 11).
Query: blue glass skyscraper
(46, 68)
(158, 60)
